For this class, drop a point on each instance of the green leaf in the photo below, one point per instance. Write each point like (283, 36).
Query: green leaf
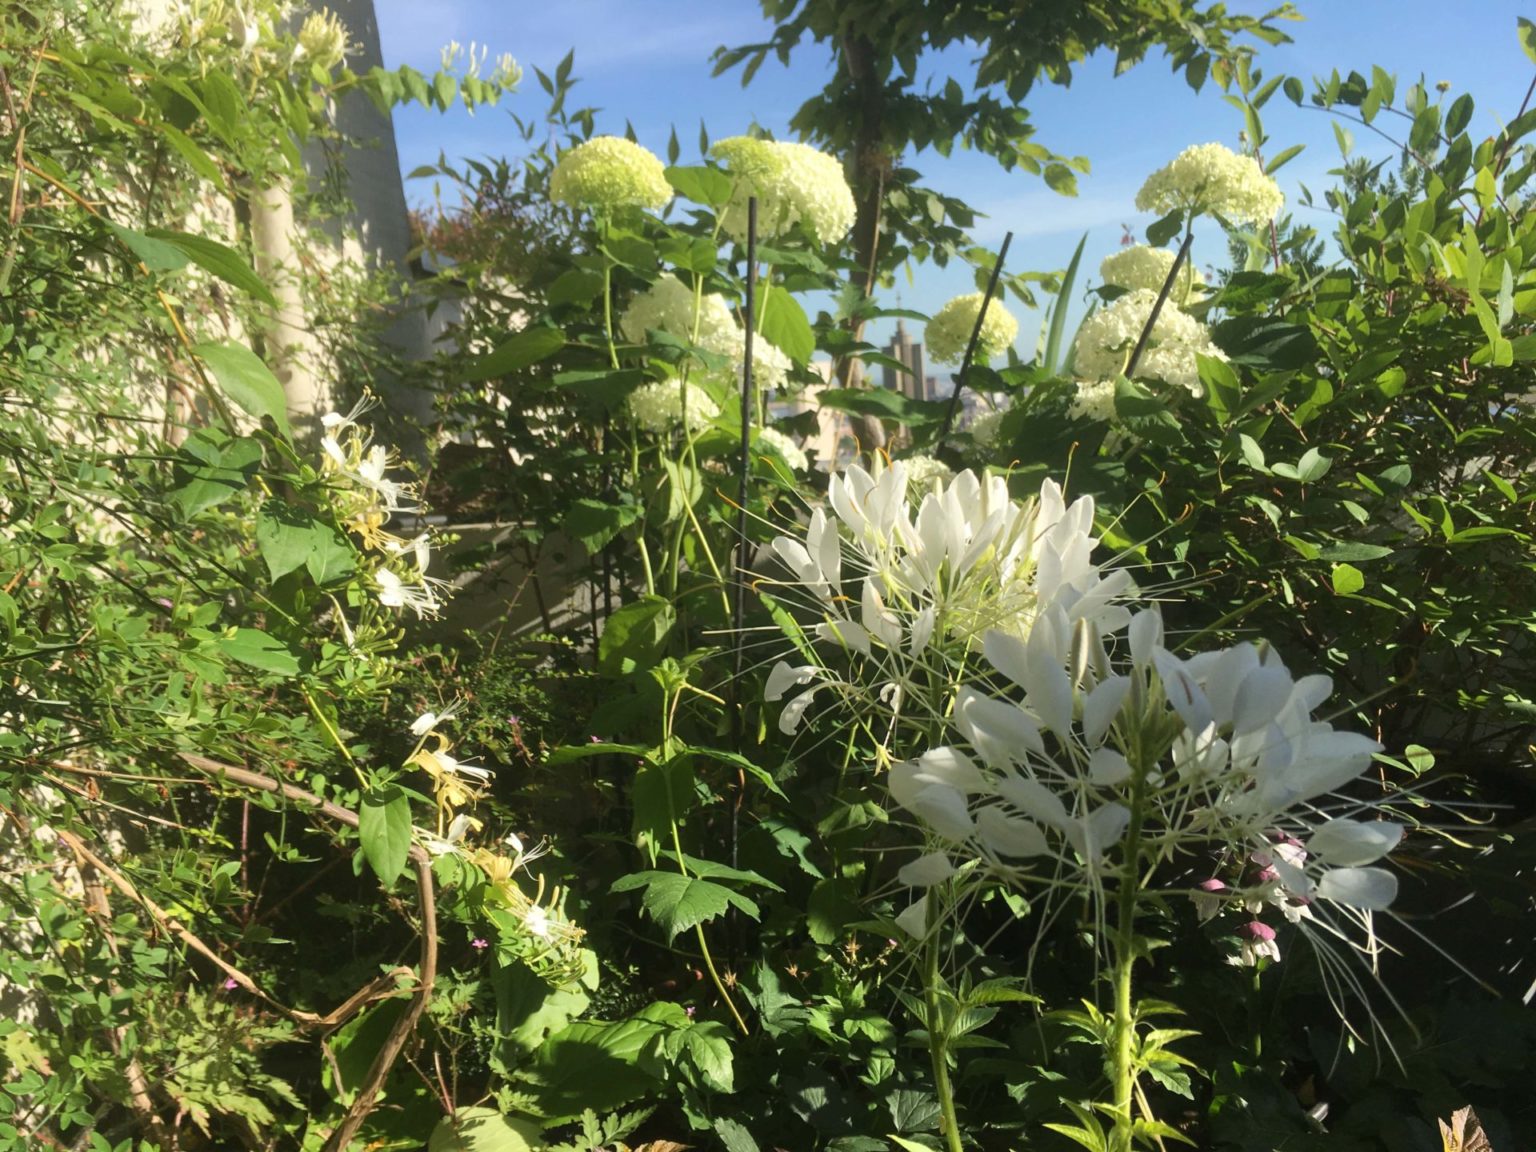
(593, 1064)
(734, 1137)
(1355, 552)
(212, 467)
(708, 186)
(1159, 232)
(1061, 179)
(520, 351)
(484, 1130)
(1313, 465)
(253, 647)
(784, 324)
(678, 903)
(285, 536)
(595, 523)
(247, 381)
(155, 255)
(384, 827)
(1283, 158)
(223, 262)
(633, 636)
(1527, 33)
(1347, 579)
(330, 556)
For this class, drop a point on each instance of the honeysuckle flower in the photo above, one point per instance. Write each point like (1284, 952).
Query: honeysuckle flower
(1143, 267)
(784, 447)
(949, 332)
(451, 842)
(609, 172)
(1211, 178)
(792, 182)
(418, 593)
(660, 406)
(323, 39)
(1106, 338)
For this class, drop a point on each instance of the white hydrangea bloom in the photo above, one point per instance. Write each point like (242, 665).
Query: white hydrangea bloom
(949, 331)
(792, 182)
(1213, 178)
(1106, 338)
(923, 472)
(658, 407)
(1143, 267)
(608, 172)
(1095, 400)
(784, 447)
(668, 306)
(985, 427)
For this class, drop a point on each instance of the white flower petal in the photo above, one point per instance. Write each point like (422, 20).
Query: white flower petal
(1371, 889)
(1006, 835)
(785, 676)
(1107, 768)
(1351, 843)
(914, 921)
(926, 871)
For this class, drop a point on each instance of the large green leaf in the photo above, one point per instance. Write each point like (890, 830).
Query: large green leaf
(247, 381)
(677, 902)
(595, 523)
(484, 1130)
(633, 636)
(253, 647)
(217, 259)
(785, 325)
(707, 186)
(285, 535)
(212, 467)
(519, 351)
(384, 827)
(596, 1065)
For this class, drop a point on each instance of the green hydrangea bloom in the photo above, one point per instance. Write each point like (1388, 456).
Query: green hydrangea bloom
(950, 330)
(608, 172)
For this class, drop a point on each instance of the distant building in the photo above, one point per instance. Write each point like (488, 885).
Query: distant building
(914, 383)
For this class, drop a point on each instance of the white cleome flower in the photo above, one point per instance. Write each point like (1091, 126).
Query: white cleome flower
(903, 578)
(1106, 338)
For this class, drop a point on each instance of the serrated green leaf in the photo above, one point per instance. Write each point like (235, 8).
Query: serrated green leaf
(484, 1130)
(595, 523)
(677, 902)
(519, 351)
(708, 186)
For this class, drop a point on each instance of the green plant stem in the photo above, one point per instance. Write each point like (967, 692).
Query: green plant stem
(938, 1036)
(1123, 1050)
(709, 960)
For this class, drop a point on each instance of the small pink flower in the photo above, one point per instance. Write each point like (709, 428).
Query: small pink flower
(690, 1009)
(231, 984)
(479, 944)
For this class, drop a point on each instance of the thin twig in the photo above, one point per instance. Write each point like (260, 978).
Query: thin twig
(1162, 298)
(970, 348)
(739, 608)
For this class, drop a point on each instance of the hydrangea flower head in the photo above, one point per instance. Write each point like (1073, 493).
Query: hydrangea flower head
(668, 306)
(1211, 178)
(1106, 338)
(783, 447)
(609, 172)
(792, 183)
(1143, 267)
(1093, 400)
(950, 330)
(659, 407)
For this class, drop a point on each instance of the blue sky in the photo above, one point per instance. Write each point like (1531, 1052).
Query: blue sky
(648, 61)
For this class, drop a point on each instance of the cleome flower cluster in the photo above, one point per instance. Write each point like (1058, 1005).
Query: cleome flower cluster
(907, 580)
(1072, 743)
(949, 332)
(366, 498)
